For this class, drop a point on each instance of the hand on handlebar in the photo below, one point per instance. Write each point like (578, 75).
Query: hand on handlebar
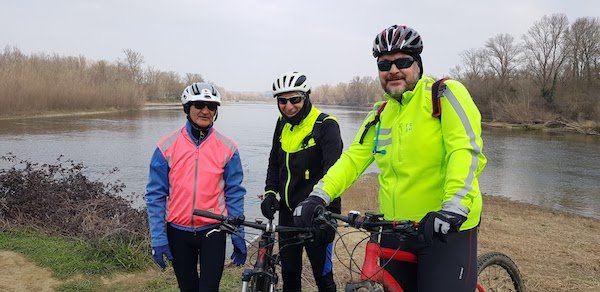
(439, 224)
(305, 211)
(325, 232)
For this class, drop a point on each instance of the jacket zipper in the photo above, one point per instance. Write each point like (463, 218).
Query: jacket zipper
(289, 178)
(195, 184)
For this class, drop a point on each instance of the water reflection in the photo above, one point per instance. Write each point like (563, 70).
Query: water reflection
(555, 170)
(558, 170)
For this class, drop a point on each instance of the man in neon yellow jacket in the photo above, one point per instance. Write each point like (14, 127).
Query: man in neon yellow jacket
(429, 167)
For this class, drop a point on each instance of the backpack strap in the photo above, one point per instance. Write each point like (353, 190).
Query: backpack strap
(372, 123)
(437, 90)
(279, 127)
(316, 130)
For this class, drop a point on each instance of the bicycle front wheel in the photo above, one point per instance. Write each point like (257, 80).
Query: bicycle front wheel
(261, 284)
(497, 273)
(364, 286)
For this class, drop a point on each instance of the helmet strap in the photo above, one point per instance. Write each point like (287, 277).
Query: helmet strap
(198, 132)
(420, 63)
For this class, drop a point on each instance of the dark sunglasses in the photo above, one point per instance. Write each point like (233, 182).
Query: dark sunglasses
(401, 63)
(294, 99)
(201, 104)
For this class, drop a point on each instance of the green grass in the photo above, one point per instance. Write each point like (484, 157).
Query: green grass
(80, 265)
(67, 257)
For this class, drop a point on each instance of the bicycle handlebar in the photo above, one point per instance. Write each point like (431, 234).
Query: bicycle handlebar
(371, 222)
(241, 220)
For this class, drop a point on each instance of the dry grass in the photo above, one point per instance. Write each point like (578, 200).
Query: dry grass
(554, 251)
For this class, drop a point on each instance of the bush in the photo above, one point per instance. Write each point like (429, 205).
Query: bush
(58, 199)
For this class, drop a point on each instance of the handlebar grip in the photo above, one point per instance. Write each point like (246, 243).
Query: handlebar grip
(209, 214)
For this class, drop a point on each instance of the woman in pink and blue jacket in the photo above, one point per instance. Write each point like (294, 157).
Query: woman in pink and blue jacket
(195, 167)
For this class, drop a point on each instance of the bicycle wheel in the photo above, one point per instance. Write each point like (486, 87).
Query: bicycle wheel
(497, 272)
(364, 286)
(260, 284)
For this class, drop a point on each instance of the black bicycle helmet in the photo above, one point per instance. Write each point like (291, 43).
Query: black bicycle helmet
(397, 38)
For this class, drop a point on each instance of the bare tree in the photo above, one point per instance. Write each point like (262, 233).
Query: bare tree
(474, 64)
(502, 55)
(193, 77)
(133, 62)
(544, 52)
(583, 39)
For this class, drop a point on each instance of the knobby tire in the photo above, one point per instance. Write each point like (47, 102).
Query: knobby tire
(260, 284)
(497, 273)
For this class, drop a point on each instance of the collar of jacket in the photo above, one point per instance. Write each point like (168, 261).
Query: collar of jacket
(190, 136)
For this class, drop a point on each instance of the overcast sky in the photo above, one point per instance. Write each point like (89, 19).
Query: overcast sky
(244, 45)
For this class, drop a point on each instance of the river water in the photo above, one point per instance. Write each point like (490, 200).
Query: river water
(556, 170)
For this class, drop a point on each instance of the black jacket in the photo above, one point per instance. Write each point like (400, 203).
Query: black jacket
(296, 165)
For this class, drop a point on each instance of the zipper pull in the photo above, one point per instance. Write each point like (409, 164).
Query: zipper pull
(306, 174)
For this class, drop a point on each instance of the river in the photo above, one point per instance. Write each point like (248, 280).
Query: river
(555, 170)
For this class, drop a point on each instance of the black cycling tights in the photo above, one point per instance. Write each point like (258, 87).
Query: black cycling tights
(320, 257)
(189, 247)
(441, 266)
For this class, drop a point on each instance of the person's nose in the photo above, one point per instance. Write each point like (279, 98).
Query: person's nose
(288, 105)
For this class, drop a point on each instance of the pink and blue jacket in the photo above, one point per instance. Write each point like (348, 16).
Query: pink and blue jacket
(187, 174)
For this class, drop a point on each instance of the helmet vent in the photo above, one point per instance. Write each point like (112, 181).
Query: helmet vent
(300, 80)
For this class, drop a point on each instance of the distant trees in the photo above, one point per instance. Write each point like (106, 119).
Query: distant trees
(550, 72)
(42, 83)
(553, 72)
(545, 54)
(360, 91)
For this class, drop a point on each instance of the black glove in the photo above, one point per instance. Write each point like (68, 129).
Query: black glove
(439, 224)
(269, 206)
(325, 232)
(305, 211)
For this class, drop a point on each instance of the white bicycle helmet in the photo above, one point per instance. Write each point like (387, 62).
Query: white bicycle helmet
(200, 91)
(291, 81)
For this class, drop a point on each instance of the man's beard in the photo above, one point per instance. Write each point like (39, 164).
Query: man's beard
(397, 92)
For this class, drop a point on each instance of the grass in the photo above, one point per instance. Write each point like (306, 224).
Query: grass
(81, 266)
(67, 257)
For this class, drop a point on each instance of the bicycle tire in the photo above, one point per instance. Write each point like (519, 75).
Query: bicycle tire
(496, 272)
(364, 286)
(260, 284)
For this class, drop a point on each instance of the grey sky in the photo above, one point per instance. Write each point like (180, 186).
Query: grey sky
(244, 45)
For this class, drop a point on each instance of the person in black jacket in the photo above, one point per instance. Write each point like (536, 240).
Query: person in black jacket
(306, 143)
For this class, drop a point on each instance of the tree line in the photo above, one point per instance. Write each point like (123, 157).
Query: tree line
(550, 72)
(46, 83)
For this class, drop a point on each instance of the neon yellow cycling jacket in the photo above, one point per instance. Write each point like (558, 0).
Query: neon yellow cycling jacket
(426, 164)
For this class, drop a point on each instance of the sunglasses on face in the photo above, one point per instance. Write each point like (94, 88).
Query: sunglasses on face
(201, 104)
(401, 63)
(293, 100)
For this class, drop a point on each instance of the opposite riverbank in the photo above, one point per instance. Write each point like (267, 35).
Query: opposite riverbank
(557, 125)
(555, 252)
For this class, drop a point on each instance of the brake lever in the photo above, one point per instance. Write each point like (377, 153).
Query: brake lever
(223, 227)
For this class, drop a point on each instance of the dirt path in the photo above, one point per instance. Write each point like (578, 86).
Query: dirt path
(20, 274)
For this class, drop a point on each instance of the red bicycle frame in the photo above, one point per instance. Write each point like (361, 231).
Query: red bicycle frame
(371, 269)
